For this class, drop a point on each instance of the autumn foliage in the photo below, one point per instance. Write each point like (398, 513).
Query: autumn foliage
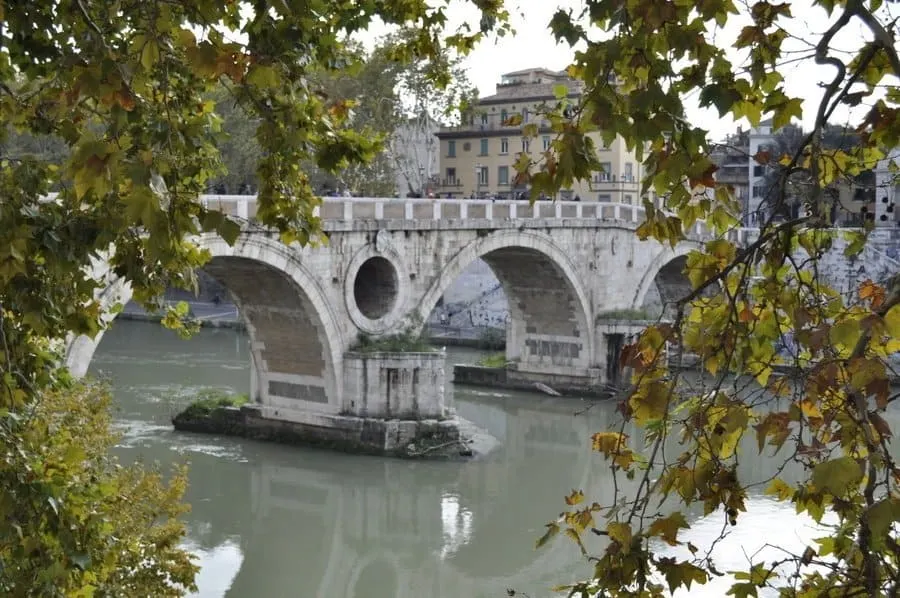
(815, 406)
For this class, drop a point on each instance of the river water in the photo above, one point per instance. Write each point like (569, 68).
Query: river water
(269, 521)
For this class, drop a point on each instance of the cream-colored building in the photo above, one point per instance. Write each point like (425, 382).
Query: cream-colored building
(477, 158)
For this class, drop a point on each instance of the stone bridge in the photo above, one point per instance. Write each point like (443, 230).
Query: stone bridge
(562, 265)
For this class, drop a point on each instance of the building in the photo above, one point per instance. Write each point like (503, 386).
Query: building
(731, 157)
(477, 158)
(761, 138)
(851, 201)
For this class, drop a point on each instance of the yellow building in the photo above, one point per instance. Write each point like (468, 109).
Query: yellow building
(477, 158)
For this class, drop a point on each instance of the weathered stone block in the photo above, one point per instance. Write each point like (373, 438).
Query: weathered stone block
(406, 386)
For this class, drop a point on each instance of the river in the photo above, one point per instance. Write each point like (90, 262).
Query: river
(269, 521)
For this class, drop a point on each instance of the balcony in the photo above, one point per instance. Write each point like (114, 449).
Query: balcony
(612, 179)
(451, 183)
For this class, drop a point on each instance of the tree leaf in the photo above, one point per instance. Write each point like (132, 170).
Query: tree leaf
(575, 497)
(229, 230)
(667, 527)
(552, 530)
(621, 533)
(780, 489)
(838, 476)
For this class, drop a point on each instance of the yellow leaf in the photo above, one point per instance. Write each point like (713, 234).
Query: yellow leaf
(780, 489)
(809, 408)
(649, 401)
(620, 532)
(667, 527)
(892, 321)
(576, 497)
(608, 442)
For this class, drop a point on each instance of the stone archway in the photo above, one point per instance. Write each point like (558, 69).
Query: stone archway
(550, 318)
(665, 276)
(296, 345)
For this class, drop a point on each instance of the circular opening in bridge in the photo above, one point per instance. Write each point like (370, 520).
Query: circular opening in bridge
(375, 288)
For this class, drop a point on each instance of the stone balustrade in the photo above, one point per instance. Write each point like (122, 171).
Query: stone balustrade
(339, 213)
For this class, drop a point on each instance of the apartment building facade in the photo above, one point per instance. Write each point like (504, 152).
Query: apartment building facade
(477, 158)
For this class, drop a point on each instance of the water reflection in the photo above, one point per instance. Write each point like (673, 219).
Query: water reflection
(271, 521)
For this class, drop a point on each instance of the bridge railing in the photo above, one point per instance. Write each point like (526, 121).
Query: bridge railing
(345, 209)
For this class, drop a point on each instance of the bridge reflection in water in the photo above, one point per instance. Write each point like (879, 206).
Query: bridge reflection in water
(317, 524)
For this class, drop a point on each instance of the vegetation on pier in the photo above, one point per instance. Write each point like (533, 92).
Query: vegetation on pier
(494, 360)
(210, 399)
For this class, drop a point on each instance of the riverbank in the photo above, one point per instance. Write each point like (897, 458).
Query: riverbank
(453, 438)
(510, 379)
(225, 315)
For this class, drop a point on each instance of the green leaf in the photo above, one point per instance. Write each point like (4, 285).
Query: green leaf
(552, 530)
(229, 230)
(837, 477)
(881, 517)
(560, 91)
(263, 76)
(845, 333)
(783, 114)
(150, 54)
(142, 205)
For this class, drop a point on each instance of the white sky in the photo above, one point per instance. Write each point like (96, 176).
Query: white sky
(532, 45)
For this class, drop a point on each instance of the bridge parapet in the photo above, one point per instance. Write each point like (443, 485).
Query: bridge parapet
(373, 213)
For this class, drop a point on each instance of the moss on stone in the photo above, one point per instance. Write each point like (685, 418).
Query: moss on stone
(494, 360)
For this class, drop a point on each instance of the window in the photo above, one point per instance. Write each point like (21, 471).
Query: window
(758, 190)
(482, 172)
(604, 198)
(524, 115)
(759, 170)
(451, 149)
(450, 176)
(484, 118)
(504, 116)
(526, 145)
(628, 198)
(504, 146)
(629, 171)
(546, 140)
(503, 175)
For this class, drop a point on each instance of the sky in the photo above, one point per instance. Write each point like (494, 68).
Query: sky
(532, 45)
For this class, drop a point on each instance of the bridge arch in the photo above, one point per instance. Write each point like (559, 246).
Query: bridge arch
(549, 309)
(666, 273)
(295, 342)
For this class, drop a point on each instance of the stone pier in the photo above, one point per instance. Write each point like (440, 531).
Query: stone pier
(394, 406)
